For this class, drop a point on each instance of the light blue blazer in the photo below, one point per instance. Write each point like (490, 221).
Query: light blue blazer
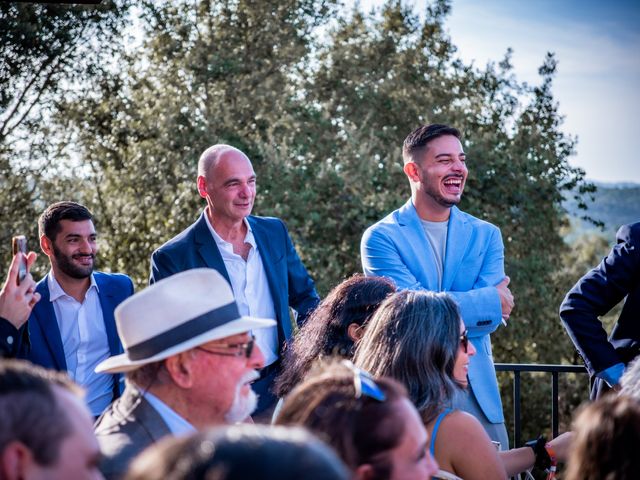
(397, 247)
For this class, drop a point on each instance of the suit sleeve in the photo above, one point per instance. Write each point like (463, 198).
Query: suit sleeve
(594, 295)
(302, 291)
(9, 338)
(480, 307)
(161, 266)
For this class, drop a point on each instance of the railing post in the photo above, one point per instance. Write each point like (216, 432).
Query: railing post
(516, 408)
(517, 369)
(554, 404)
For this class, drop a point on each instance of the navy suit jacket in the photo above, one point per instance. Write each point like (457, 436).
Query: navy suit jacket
(601, 289)
(44, 335)
(289, 283)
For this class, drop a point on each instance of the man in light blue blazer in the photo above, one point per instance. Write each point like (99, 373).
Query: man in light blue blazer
(429, 244)
(254, 254)
(72, 327)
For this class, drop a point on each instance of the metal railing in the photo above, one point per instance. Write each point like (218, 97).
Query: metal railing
(518, 368)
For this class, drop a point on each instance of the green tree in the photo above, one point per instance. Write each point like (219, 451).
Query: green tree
(206, 72)
(45, 52)
(321, 100)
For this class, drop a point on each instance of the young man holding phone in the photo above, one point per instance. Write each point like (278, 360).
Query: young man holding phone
(72, 328)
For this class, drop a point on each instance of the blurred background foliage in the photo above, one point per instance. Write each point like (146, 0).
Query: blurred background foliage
(111, 105)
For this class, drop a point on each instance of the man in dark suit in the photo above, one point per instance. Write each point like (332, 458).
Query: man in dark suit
(601, 289)
(72, 327)
(254, 254)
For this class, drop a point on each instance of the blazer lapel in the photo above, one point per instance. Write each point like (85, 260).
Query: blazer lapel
(413, 233)
(269, 257)
(106, 295)
(133, 406)
(458, 237)
(207, 248)
(45, 318)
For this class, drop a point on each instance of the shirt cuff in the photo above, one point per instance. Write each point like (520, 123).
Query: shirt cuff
(612, 374)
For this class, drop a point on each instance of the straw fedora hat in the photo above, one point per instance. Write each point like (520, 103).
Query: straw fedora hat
(174, 315)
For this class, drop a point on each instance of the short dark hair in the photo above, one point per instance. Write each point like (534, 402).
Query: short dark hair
(239, 452)
(49, 221)
(325, 332)
(31, 414)
(361, 429)
(416, 142)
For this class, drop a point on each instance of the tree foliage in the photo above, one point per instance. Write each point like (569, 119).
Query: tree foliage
(45, 50)
(320, 98)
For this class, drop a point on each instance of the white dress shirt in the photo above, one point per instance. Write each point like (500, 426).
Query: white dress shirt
(251, 289)
(84, 341)
(177, 424)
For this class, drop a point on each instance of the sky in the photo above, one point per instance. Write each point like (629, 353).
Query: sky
(597, 85)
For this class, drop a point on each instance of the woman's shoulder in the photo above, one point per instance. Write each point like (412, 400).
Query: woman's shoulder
(458, 419)
(463, 431)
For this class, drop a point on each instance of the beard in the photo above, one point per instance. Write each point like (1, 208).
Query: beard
(243, 405)
(432, 190)
(66, 265)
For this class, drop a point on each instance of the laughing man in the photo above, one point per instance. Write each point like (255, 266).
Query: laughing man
(429, 244)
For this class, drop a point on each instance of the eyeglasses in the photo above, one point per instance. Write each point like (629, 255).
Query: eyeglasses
(237, 349)
(464, 340)
(364, 383)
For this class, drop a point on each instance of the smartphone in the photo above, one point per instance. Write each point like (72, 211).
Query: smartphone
(19, 245)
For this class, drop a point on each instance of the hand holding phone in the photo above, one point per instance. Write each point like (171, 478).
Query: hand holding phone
(18, 295)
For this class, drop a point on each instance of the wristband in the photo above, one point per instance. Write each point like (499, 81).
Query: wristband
(543, 459)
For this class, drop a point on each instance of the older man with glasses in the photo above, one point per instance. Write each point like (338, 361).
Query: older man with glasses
(189, 361)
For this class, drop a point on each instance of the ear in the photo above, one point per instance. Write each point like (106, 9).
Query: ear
(46, 245)
(412, 171)
(202, 186)
(16, 461)
(355, 331)
(364, 472)
(180, 368)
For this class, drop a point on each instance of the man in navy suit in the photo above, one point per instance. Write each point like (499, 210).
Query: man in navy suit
(601, 289)
(72, 327)
(254, 254)
(428, 244)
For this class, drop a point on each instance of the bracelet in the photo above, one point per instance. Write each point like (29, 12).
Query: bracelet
(543, 459)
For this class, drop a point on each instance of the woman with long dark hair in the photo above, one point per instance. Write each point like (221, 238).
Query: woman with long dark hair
(419, 339)
(333, 327)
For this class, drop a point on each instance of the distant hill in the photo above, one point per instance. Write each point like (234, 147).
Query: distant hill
(614, 204)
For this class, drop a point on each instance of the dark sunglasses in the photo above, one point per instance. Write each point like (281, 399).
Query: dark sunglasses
(364, 383)
(237, 349)
(464, 340)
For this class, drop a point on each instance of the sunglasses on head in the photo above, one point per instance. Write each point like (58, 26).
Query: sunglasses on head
(364, 383)
(464, 340)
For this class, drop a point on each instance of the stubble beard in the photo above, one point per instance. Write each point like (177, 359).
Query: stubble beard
(66, 265)
(436, 196)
